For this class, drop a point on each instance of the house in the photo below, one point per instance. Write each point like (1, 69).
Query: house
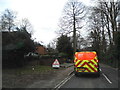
(41, 50)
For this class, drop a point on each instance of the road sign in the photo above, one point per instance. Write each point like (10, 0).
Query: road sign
(56, 64)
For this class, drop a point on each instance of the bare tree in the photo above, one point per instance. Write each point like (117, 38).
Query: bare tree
(103, 29)
(26, 25)
(110, 12)
(73, 14)
(95, 29)
(7, 20)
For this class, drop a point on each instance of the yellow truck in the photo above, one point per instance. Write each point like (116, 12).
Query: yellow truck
(86, 62)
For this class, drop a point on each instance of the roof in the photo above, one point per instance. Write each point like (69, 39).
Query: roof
(11, 41)
(13, 46)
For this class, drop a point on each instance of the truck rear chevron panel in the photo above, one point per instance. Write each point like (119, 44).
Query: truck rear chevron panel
(90, 65)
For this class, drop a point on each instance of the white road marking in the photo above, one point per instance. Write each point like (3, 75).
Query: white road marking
(63, 82)
(100, 70)
(60, 83)
(66, 80)
(107, 78)
(70, 73)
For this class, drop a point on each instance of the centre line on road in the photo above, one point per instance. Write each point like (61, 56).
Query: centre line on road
(66, 80)
(107, 78)
(100, 70)
(63, 82)
(70, 73)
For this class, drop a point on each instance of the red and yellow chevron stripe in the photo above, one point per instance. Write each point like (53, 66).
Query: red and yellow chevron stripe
(88, 65)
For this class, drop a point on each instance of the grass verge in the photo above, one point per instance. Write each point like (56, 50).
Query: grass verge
(28, 70)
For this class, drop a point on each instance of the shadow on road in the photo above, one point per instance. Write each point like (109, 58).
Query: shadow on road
(88, 76)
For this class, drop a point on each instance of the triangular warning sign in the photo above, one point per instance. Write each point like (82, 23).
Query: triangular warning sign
(56, 64)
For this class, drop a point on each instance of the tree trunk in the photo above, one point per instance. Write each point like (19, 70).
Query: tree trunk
(109, 33)
(74, 34)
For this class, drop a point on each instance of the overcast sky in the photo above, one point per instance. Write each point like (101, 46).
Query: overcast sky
(43, 15)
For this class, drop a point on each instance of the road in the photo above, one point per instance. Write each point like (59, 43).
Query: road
(107, 79)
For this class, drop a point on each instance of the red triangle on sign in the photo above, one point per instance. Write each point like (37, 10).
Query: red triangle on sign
(56, 62)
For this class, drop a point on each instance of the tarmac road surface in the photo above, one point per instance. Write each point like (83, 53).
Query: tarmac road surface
(107, 79)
